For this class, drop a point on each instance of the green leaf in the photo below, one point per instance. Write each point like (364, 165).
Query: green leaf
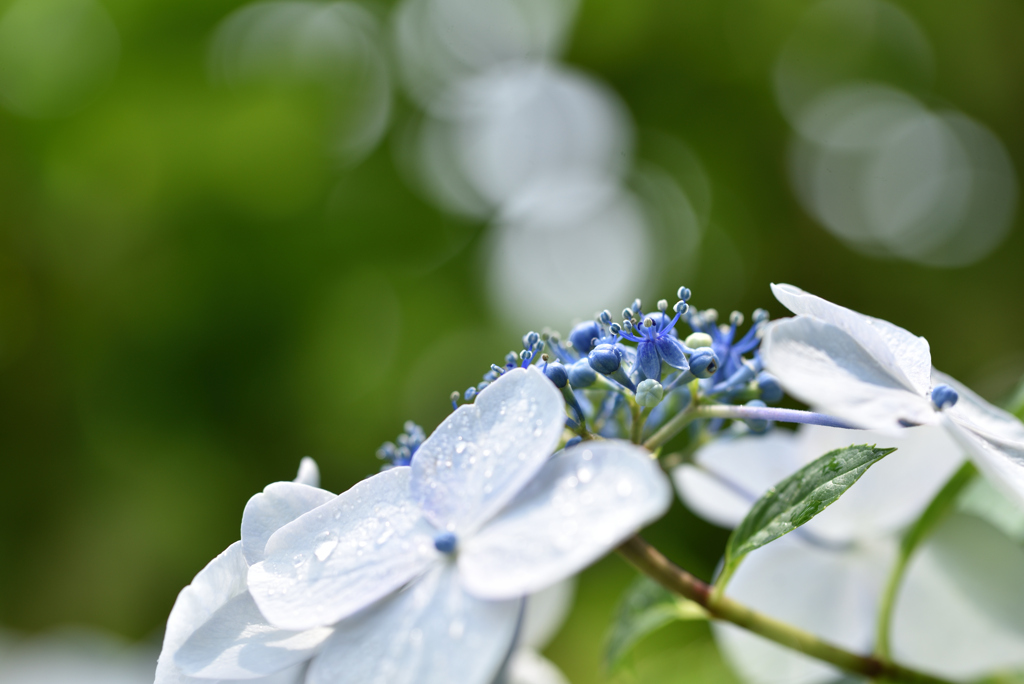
(645, 607)
(797, 499)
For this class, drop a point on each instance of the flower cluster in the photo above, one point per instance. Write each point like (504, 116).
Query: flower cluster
(606, 368)
(421, 573)
(417, 574)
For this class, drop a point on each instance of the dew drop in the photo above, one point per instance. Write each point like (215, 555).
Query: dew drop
(460, 447)
(585, 475)
(325, 549)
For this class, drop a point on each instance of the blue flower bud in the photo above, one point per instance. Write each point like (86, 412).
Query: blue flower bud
(627, 314)
(756, 425)
(649, 393)
(454, 396)
(771, 390)
(583, 336)
(511, 359)
(697, 340)
(703, 362)
(636, 306)
(615, 328)
(490, 376)
(501, 371)
(446, 542)
(662, 305)
(684, 294)
(681, 307)
(606, 316)
(470, 393)
(760, 316)
(573, 442)
(581, 374)
(481, 386)
(736, 318)
(525, 355)
(944, 396)
(557, 374)
(605, 359)
(531, 339)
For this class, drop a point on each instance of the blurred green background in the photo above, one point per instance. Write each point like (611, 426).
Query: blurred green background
(195, 292)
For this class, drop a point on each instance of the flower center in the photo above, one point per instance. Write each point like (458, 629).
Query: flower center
(446, 542)
(944, 396)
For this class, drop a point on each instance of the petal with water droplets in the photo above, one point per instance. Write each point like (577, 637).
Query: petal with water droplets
(431, 632)
(344, 555)
(485, 452)
(584, 503)
(276, 506)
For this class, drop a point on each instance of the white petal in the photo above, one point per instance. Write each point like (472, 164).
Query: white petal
(894, 491)
(960, 611)
(729, 475)
(275, 507)
(904, 354)
(309, 472)
(529, 667)
(580, 506)
(431, 632)
(545, 613)
(238, 643)
(993, 437)
(220, 581)
(822, 365)
(485, 452)
(344, 555)
(831, 593)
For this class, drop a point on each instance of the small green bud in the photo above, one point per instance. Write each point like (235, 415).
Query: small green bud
(697, 340)
(649, 393)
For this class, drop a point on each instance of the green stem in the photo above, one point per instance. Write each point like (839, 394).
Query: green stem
(921, 529)
(672, 427)
(652, 563)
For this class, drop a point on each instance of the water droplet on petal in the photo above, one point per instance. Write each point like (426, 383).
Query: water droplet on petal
(325, 549)
(584, 475)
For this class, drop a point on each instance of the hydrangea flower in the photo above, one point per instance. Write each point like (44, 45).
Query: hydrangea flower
(420, 571)
(877, 375)
(828, 576)
(217, 603)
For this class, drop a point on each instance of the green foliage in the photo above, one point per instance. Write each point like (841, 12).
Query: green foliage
(645, 607)
(797, 499)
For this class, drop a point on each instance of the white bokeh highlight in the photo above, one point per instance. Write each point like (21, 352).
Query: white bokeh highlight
(878, 168)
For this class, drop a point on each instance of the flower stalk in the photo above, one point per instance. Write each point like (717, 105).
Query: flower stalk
(655, 565)
(678, 422)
